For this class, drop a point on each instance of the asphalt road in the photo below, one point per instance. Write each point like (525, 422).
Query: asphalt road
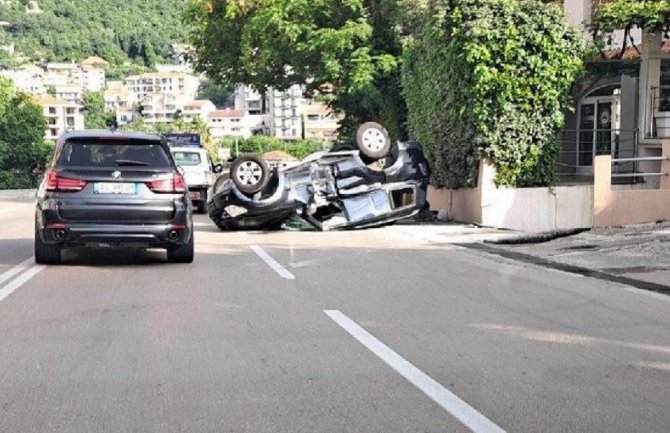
(367, 331)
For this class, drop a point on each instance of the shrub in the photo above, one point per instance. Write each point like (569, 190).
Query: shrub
(491, 78)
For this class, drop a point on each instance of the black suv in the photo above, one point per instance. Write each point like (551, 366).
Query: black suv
(107, 188)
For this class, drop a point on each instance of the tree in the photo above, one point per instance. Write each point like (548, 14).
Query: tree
(95, 115)
(220, 95)
(22, 128)
(648, 15)
(350, 46)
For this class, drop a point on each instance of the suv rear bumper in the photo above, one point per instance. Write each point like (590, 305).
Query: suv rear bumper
(139, 235)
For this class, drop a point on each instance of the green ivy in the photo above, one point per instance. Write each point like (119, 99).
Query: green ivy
(491, 78)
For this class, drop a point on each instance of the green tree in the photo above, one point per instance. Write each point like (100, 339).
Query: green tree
(95, 115)
(350, 46)
(112, 29)
(22, 128)
(220, 95)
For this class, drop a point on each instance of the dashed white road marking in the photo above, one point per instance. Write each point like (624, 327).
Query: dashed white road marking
(449, 401)
(15, 270)
(267, 258)
(19, 281)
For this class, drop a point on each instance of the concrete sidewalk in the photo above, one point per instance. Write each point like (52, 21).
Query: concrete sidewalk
(640, 253)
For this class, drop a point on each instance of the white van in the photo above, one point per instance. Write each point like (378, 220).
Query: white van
(199, 171)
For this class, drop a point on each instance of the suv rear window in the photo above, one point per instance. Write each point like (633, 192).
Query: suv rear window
(113, 154)
(186, 158)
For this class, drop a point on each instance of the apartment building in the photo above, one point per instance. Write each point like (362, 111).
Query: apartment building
(159, 107)
(285, 113)
(230, 123)
(618, 113)
(29, 79)
(117, 97)
(61, 116)
(256, 107)
(70, 93)
(181, 85)
(197, 109)
(319, 122)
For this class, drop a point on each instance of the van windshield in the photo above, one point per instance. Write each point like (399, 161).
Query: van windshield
(186, 158)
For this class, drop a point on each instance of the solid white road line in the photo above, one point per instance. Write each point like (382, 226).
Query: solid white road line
(16, 269)
(267, 258)
(449, 401)
(21, 280)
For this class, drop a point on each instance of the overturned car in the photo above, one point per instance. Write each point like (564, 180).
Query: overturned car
(361, 184)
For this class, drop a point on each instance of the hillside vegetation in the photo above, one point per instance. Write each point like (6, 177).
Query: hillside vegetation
(117, 30)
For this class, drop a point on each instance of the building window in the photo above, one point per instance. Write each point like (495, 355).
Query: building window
(52, 110)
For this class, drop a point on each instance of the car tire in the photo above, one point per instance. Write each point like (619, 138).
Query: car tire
(373, 141)
(202, 204)
(46, 254)
(250, 174)
(182, 253)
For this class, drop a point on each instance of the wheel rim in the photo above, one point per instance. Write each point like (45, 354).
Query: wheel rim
(373, 139)
(249, 173)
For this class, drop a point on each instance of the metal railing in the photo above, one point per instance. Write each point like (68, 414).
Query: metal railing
(637, 173)
(579, 147)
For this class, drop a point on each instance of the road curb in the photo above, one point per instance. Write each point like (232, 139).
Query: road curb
(17, 193)
(586, 272)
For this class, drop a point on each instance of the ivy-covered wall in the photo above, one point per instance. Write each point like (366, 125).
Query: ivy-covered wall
(491, 78)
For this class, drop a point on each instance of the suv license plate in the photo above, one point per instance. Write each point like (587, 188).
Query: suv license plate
(115, 188)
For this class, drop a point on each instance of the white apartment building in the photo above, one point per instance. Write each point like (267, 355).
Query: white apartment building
(197, 109)
(285, 113)
(319, 122)
(28, 79)
(118, 97)
(184, 69)
(86, 76)
(230, 123)
(90, 78)
(160, 107)
(61, 116)
(70, 93)
(178, 84)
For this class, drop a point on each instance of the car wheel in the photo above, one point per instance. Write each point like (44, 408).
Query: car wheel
(182, 253)
(250, 174)
(202, 204)
(46, 254)
(373, 140)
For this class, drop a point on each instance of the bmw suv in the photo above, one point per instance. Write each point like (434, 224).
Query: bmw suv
(108, 188)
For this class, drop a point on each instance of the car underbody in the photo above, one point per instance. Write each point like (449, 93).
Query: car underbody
(329, 190)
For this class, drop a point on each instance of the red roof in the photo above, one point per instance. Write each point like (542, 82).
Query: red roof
(632, 53)
(226, 113)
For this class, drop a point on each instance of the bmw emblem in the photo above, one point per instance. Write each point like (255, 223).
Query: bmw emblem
(116, 174)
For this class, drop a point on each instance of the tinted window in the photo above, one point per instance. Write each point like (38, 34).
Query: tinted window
(113, 154)
(186, 158)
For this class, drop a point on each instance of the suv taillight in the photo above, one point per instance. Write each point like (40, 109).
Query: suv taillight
(173, 184)
(57, 183)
